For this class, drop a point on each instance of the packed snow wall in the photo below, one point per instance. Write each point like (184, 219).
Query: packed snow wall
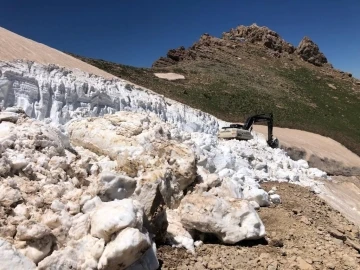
(52, 93)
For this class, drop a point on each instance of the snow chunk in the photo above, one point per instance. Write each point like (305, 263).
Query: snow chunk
(111, 217)
(231, 220)
(127, 247)
(12, 259)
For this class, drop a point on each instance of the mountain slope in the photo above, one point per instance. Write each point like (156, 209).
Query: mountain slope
(251, 70)
(14, 47)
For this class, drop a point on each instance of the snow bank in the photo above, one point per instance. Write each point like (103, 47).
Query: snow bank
(153, 171)
(59, 95)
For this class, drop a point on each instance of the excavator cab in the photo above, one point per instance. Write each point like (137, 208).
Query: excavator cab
(243, 132)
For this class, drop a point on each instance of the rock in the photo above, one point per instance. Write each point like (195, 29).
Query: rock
(12, 259)
(114, 186)
(259, 34)
(335, 233)
(302, 264)
(310, 52)
(30, 230)
(276, 242)
(273, 266)
(353, 244)
(305, 220)
(111, 217)
(126, 248)
(214, 265)
(231, 220)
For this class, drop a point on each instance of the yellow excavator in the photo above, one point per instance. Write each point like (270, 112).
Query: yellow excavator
(243, 132)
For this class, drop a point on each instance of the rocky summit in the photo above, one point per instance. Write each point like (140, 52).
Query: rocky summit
(307, 49)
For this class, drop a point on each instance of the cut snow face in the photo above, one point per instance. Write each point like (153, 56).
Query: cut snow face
(58, 95)
(170, 76)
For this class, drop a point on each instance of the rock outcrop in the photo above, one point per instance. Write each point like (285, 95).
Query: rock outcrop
(208, 45)
(310, 52)
(260, 35)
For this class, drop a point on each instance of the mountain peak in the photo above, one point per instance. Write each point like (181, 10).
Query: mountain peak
(262, 36)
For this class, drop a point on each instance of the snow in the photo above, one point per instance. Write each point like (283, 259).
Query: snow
(144, 154)
(170, 76)
(58, 95)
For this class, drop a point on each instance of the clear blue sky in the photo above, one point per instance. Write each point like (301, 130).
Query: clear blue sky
(137, 32)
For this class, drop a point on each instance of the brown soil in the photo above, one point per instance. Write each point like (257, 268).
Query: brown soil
(15, 47)
(303, 232)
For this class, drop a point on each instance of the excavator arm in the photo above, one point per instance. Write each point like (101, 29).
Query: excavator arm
(266, 117)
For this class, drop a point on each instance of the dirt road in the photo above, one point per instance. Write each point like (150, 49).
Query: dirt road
(321, 152)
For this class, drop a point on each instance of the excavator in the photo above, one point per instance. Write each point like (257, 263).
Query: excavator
(243, 132)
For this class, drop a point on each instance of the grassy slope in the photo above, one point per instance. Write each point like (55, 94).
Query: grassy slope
(233, 85)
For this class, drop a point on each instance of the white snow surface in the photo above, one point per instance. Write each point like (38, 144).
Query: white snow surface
(52, 93)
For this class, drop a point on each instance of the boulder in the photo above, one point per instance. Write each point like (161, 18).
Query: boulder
(10, 258)
(231, 220)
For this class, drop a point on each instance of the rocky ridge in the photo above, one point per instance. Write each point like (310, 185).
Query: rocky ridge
(254, 34)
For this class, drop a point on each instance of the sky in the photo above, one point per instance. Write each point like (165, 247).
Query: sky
(137, 32)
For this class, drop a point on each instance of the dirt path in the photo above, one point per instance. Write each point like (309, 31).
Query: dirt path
(343, 194)
(303, 232)
(14, 47)
(321, 152)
